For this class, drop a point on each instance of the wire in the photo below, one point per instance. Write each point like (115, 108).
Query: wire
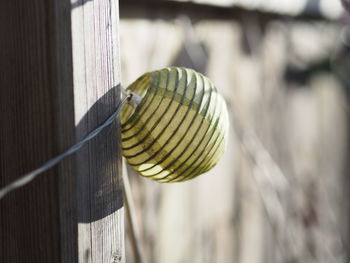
(25, 179)
(135, 238)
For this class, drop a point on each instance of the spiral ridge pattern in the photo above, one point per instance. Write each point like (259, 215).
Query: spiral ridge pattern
(180, 128)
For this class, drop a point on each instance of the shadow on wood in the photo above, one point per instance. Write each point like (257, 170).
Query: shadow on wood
(102, 192)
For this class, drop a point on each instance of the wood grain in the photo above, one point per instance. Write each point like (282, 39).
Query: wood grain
(96, 93)
(71, 213)
(34, 111)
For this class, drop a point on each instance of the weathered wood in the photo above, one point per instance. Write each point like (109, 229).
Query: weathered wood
(244, 210)
(73, 212)
(154, 9)
(96, 82)
(35, 109)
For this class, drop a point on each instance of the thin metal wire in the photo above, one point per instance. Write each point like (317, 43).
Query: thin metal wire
(25, 179)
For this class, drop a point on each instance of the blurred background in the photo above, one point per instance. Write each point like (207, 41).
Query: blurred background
(280, 192)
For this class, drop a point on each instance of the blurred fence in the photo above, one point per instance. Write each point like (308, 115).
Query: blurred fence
(280, 192)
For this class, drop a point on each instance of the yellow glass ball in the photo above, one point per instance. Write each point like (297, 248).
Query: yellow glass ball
(179, 129)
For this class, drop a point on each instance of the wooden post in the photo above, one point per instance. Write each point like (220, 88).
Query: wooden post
(59, 79)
